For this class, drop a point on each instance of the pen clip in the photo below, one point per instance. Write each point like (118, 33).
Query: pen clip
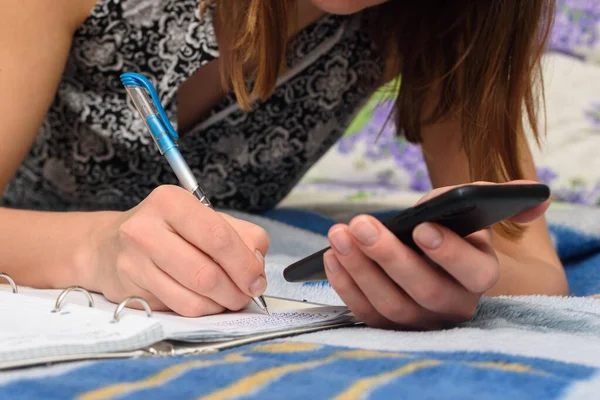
(137, 80)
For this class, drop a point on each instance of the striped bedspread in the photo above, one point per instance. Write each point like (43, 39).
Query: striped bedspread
(515, 347)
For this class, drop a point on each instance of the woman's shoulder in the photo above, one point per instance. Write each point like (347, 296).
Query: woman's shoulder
(74, 11)
(69, 14)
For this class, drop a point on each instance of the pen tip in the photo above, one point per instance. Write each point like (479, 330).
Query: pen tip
(262, 304)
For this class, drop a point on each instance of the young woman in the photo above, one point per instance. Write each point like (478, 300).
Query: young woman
(259, 90)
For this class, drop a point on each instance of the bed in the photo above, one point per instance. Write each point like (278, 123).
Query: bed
(515, 347)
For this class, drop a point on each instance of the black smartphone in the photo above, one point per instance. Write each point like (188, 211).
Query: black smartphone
(464, 210)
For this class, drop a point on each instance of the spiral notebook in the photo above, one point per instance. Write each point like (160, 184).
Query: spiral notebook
(48, 326)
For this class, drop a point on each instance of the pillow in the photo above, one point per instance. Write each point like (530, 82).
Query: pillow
(370, 156)
(575, 29)
(568, 158)
(370, 162)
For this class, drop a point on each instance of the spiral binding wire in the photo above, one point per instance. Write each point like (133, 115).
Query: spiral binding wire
(61, 298)
(10, 280)
(64, 293)
(123, 304)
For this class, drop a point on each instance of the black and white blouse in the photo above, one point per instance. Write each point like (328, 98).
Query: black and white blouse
(93, 152)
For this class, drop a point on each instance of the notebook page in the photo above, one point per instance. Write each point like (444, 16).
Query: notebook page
(253, 322)
(29, 329)
(223, 326)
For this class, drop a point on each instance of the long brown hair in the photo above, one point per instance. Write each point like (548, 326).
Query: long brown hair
(481, 58)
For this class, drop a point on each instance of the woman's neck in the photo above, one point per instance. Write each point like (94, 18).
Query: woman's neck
(306, 14)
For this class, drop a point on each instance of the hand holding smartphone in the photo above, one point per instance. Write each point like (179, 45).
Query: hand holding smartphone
(464, 210)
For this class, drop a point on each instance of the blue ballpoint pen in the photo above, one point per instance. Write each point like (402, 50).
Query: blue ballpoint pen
(146, 101)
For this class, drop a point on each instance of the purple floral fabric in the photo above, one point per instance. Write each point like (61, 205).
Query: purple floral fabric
(575, 28)
(377, 140)
(379, 134)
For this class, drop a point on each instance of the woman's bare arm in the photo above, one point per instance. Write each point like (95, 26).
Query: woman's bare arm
(36, 248)
(528, 266)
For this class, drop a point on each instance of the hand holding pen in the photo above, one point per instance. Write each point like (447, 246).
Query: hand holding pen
(218, 263)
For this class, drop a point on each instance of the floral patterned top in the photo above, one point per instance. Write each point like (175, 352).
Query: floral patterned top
(92, 151)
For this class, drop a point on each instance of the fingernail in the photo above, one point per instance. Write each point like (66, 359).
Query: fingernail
(341, 241)
(259, 286)
(428, 236)
(365, 232)
(331, 263)
(261, 258)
